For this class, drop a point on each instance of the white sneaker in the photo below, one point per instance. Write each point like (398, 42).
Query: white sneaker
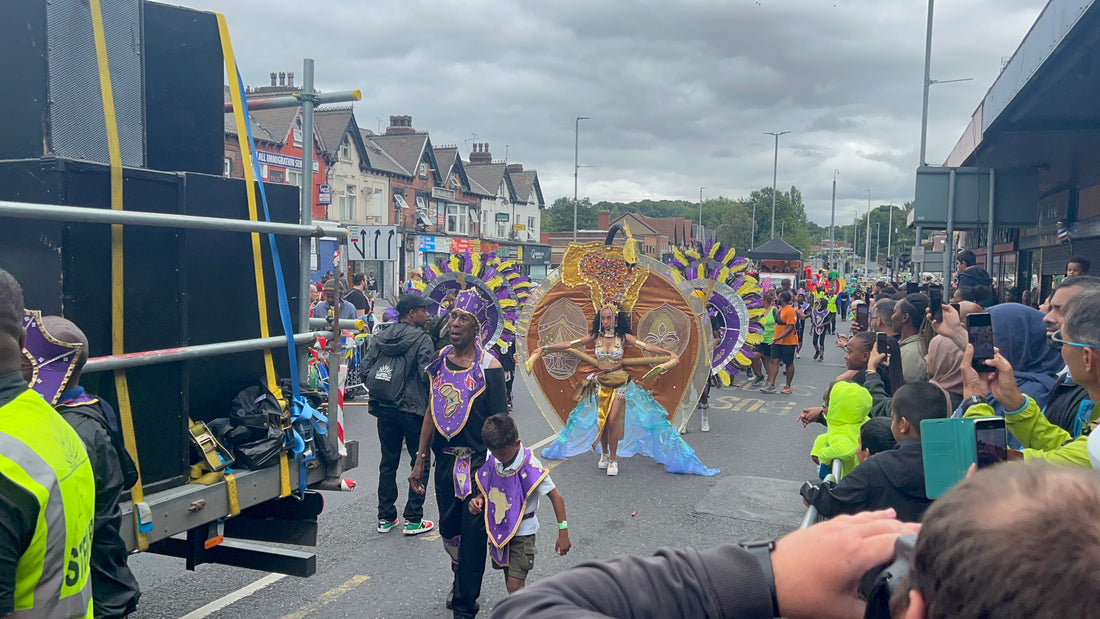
(602, 464)
(613, 469)
(706, 422)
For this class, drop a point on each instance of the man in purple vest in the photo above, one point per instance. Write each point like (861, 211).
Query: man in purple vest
(467, 386)
(509, 485)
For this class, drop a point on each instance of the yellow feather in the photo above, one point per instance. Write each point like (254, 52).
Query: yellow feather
(694, 253)
(724, 274)
(456, 263)
(679, 255)
(475, 267)
(754, 338)
(506, 303)
(495, 282)
(747, 287)
(676, 277)
(725, 377)
(509, 326)
(729, 256)
(742, 359)
(737, 268)
(435, 269)
(714, 250)
(756, 313)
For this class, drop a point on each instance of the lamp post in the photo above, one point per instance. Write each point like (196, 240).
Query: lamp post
(701, 235)
(889, 240)
(576, 169)
(867, 240)
(752, 233)
(832, 221)
(775, 171)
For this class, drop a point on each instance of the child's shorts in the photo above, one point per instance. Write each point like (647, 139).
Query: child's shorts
(521, 557)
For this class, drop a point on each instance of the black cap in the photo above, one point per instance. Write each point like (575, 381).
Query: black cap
(408, 302)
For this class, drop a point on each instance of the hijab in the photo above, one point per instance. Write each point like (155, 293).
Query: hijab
(945, 364)
(1021, 336)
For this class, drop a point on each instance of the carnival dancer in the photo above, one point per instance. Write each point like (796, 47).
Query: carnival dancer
(609, 336)
(819, 319)
(509, 486)
(803, 309)
(467, 386)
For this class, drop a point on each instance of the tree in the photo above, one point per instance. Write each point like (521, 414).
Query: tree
(559, 217)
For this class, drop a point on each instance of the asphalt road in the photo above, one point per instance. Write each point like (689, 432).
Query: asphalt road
(755, 440)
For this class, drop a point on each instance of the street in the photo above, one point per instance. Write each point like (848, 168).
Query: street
(755, 440)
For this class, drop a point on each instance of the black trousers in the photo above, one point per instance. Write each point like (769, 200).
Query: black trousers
(456, 521)
(393, 428)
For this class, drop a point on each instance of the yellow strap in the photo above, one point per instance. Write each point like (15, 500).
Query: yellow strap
(117, 291)
(231, 492)
(250, 188)
(284, 475)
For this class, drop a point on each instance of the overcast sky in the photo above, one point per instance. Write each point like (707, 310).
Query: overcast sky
(679, 93)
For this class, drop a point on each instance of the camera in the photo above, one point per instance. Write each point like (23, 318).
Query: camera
(879, 584)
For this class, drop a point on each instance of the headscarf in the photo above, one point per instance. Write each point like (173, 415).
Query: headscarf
(1021, 336)
(945, 364)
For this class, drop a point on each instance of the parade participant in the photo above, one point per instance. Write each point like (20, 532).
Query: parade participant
(47, 490)
(830, 299)
(803, 309)
(819, 316)
(785, 340)
(767, 360)
(467, 386)
(606, 400)
(509, 486)
(609, 337)
(844, 300)
(64, 349)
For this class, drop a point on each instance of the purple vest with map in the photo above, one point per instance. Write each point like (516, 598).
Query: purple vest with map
(453, 393)
(506, 496)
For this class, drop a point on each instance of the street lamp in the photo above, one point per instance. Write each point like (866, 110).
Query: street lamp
(867, 238)
(832, 220)
(775, 171)
(576, 168)
(701, 214)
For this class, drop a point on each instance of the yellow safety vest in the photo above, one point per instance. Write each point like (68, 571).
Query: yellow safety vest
(40, 452)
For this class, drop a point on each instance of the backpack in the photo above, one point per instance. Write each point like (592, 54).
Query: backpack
(114, 431)
(385, 380)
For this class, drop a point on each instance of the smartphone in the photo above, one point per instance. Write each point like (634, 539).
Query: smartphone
(948, 447)
(958, 309)
(912, 287)
(863, 317)
(935, 296)
(991, 441)
(880, 342)
(979, 329)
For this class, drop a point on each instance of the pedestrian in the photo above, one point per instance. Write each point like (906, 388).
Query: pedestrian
(844, 301)
(396, 360)
(372, 284)
(819, 316)
(330, 297)
(415, 281)
(47, 489)
(467, 387)
(510, 501)
(785, 341)
(803, 309)
(357, 295)
(765, 347)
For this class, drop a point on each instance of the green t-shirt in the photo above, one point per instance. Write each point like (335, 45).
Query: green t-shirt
(769, 326)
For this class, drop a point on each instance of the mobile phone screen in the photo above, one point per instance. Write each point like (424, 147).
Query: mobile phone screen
(979, 329)
(935, 296)
(992, 441)
(881, 342)
(862, 317)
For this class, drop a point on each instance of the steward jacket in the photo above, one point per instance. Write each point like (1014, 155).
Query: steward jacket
(1042, 440)
(404, 339)
(893, 478)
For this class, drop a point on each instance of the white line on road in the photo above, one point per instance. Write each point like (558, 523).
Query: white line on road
(544, 442)
(234, 597)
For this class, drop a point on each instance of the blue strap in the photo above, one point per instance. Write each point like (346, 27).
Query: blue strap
(276, 263)
(302, 412)
(1084, 414)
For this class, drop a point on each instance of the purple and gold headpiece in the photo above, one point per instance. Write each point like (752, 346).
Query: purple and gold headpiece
(471, 301)
(52, 361)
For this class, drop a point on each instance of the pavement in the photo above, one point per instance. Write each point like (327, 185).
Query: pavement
(755, 440)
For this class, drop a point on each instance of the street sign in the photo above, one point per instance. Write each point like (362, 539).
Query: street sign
(324, 194)
(372, 243)
(519, 227)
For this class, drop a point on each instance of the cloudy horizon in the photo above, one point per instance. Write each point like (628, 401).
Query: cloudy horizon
(679, 94)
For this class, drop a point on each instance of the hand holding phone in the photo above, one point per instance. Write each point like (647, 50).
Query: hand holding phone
(991, 441)
(979, 330)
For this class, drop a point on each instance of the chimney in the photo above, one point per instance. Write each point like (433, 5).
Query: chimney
(274, 76)
(604, 220)
(481, 154)
(282, 78)
(290, 79)
(515, 167)
(400, 124)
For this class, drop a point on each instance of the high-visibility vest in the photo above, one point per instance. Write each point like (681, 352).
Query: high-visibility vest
(831, 303)
(41, 453)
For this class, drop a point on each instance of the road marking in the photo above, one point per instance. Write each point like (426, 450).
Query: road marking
(234, 597)
(328, 597)
(544, 442)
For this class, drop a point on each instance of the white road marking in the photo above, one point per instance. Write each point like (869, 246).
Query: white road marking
(233, 597)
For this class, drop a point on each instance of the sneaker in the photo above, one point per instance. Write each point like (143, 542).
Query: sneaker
(706, 422)
(613, 469)
(798, 355)
(769, 388)
(450, 598)
(603, 463)
(759, 379)
(786, 390)
(416, 528)
(384, 526)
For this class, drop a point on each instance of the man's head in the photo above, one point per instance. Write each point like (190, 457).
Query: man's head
(501, 437)
(966, 259)
(413, 309)
(359, 280)
(1077, 266)
(1081, 334)
(332, 290)
(914, 403)
(785, 284)
(785, 297)
(1013, 540)
(1069, 288)
(11, 324)
(65, 331)
(883, 321)
(909, 314)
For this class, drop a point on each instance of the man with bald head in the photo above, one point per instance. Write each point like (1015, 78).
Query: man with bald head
(47, 489)
(115, 590)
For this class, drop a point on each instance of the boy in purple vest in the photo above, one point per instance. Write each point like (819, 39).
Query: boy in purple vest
(509, 486)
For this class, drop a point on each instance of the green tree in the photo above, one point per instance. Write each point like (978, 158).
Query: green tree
(559, 217)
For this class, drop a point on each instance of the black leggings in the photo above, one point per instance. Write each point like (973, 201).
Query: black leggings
(819, 341)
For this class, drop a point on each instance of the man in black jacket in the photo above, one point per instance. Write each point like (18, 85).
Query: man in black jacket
(1066, 406)
(892, 478)
(401, 420)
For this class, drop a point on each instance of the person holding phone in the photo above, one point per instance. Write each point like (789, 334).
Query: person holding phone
(1041, 439)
